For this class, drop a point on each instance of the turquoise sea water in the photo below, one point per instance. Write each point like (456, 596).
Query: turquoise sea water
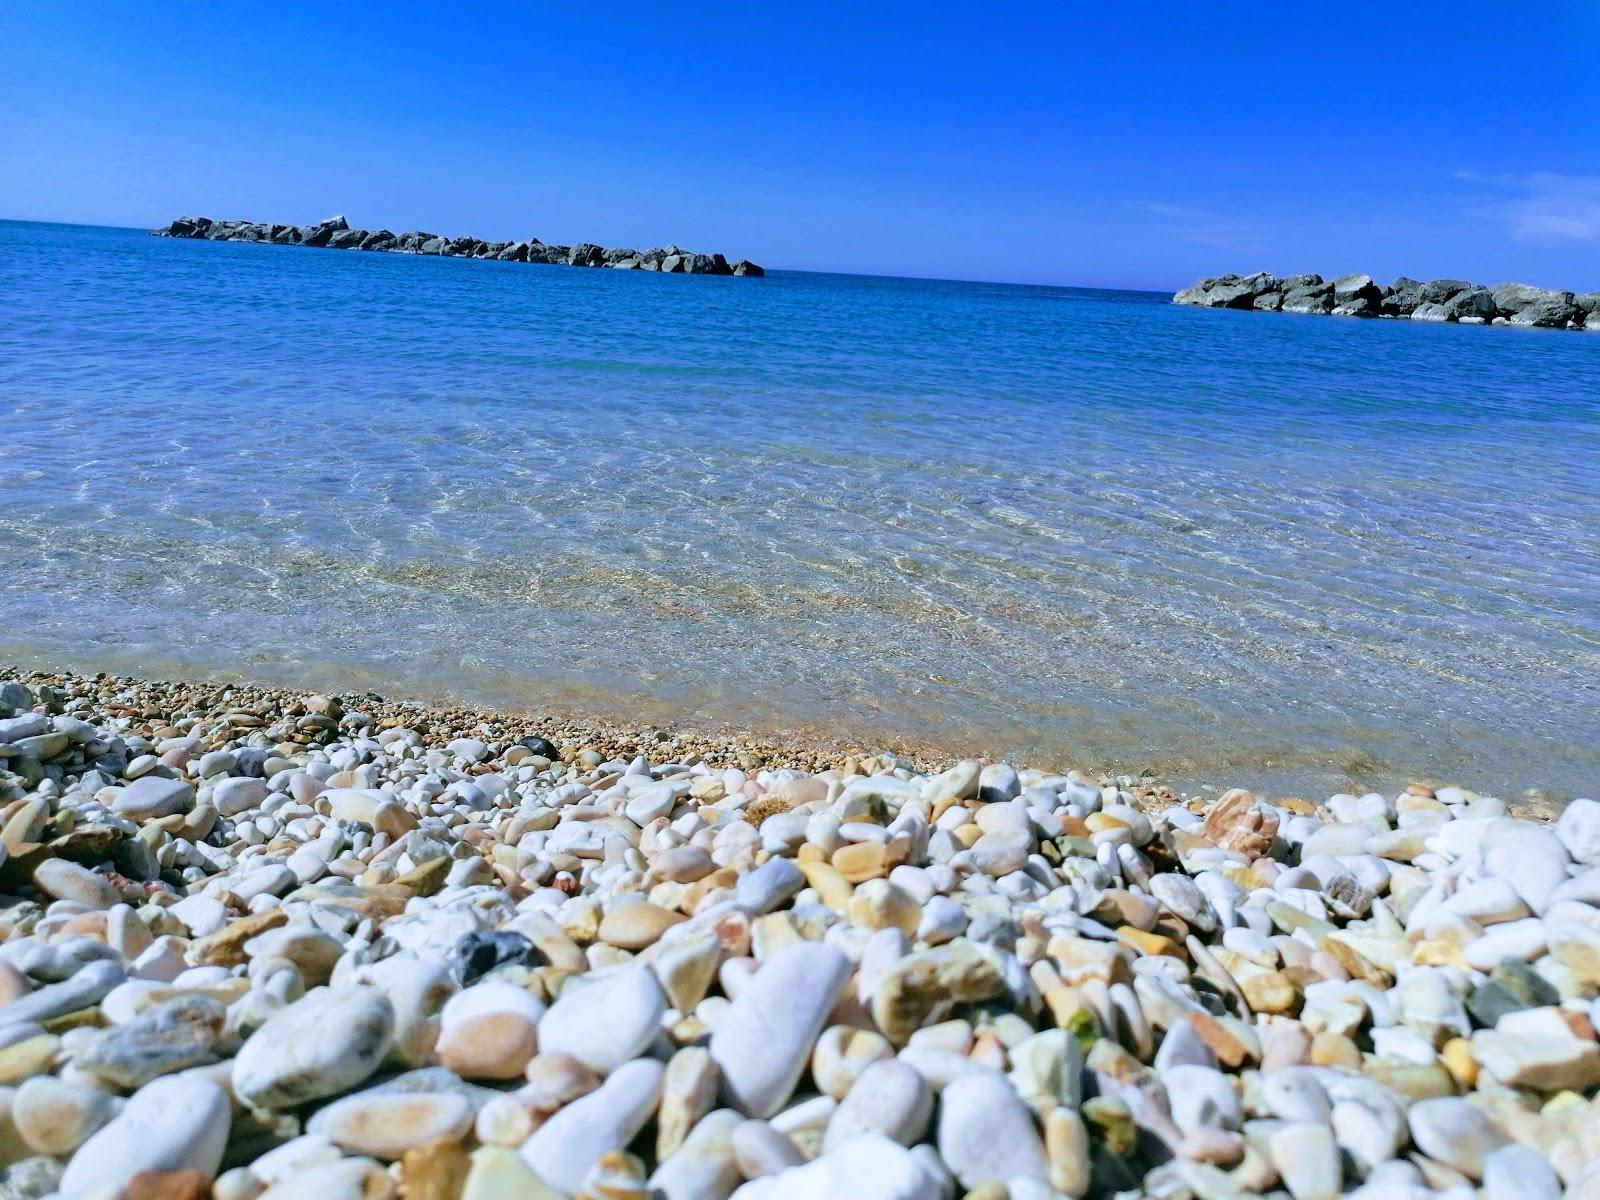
(1085, 527)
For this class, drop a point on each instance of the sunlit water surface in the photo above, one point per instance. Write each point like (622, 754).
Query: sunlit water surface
(1084, 527)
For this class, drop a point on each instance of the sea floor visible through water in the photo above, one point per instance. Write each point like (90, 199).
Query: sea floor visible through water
(1058, 526)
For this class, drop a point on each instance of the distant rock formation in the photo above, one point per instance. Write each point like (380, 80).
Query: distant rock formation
(1359, 296)
(335, 234)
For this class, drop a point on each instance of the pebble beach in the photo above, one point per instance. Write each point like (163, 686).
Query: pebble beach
(257, 943)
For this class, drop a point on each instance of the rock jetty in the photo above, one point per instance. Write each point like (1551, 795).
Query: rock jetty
(265, 945)
(335, 234)
(1439, 300)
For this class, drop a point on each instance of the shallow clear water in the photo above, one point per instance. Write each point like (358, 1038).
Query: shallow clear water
(1086, 527)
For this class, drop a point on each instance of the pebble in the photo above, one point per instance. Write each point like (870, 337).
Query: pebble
(385, 1124)
(888, 1098)
(322, 1044)
(606, 1022)
(564, 1149)
(763, 1043)
(987, 1134)
(1451, 1130)
(171, 1124)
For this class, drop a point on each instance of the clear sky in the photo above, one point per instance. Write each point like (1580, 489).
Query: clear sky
(1096, 144)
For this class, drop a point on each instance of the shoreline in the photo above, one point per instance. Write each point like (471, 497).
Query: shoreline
(639, 721)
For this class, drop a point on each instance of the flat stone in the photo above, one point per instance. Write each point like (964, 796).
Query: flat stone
(153, 796)
(386, 1125)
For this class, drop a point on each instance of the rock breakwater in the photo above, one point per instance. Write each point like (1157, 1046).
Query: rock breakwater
(262, 945)
(1437, 300)
(335, 233)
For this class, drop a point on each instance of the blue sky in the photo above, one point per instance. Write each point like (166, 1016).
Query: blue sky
(1101, 145)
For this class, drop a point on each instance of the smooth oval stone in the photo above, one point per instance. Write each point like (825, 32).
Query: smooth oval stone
(763, 1042)
(173, 1124)
(68, 881)
(55, 1116)
(1454, 1132)
(387, 1124)
(889, 1098)
(564, 1149)
(605, 1023)
(987, 1134)
(326, 1042)
(153, 796)
(1517, 1173)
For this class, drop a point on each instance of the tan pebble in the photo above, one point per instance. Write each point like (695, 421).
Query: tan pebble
(861, 861)
(1269, 992)
(433, 1171)
(386, 1124)
(167, 1185)
(617, 1176)
(498, 1173)
(494, 1045)
(55, 1116)
(27, 1058)
(635, 924)
(842, 1053)
(554, 1080)
(13, 983)
(1066, 1143)
(1456, 1054)
(686, 969)
(880, 904)
(832, 888)
(1335, 1050)
(688, 1091)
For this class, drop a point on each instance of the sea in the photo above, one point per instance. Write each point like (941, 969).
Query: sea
(1072, 527)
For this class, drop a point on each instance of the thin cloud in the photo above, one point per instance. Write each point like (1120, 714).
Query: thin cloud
(1205, 229)
(1543, 206)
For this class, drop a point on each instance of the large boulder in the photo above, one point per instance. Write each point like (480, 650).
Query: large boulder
(1439, 291)
(322, 232)
(1401, 297)
(745, 267)
(434, 245)
(1314, 297)
(587, 254)
(1356, 296)
(187, 227)
(378, 239)
(347, 239)
(1524, 304)
(1227, 291)
(1473, 306)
